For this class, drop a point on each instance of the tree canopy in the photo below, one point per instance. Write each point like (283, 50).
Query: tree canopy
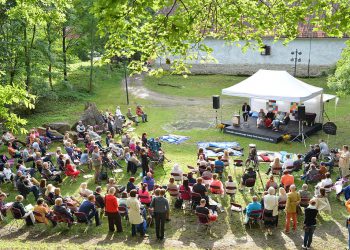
(164, 28)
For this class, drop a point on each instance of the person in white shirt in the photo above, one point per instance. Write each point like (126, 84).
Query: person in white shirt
(230, 187)
(177, 171)
(94, 136)
(270, 210)
(118, 151)
(288, 163)
(325, 183)
(81, 129)
(84, 191)
(324, 150)
(118, 113)
(9, 176)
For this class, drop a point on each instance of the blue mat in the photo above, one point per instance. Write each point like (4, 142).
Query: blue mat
(174, 139)
(224, 145)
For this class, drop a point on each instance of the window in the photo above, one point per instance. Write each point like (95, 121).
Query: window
(266, 50)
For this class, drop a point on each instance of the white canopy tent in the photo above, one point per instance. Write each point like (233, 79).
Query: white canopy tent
(281, 87)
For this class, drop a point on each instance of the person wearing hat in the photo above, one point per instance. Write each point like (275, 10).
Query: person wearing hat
(141, 113)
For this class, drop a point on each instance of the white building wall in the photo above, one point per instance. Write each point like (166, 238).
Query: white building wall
(323, 54)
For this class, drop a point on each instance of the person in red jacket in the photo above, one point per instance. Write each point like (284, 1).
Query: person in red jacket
(111, 210)
(71, 171)
(141, 113)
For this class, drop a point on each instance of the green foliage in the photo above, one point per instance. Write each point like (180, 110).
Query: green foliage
(164, 29)
(10, 96)
(340, 79)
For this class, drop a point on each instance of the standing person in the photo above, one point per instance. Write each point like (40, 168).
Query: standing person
(134, 212)
(309, 224)
(160, 207)
(344, 161)
(112, 212)
(245, 110)
(96, 163)
(144, 162)
(293, 200)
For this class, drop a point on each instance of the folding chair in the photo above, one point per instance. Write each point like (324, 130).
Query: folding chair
(237, 163)
(82, 219)
(207, 180)
(215, 189)
(123, 211)
(250, 183)
(195, 200)
(255, 217)
(176, 176)
(232, 195)
(192, 169)
(236, 208)
(276, 171)
(290, 168)
(186, 202)
(203, 220)
(60, 218)
(17, 217)
(174, 192)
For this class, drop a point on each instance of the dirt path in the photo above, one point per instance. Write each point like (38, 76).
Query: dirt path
(137, 89)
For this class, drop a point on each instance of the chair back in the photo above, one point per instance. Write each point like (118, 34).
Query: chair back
(16, 213)
(290, 168)
(255, 214)
(250, 182)
(276, 170)
(58, 217)
(203, 218)
(207, 178)
(238, 163)
(122, 210)
(175, 174)
(328, 186)
(81, 217)
(215, 189)
(196, 197)
(231, 188)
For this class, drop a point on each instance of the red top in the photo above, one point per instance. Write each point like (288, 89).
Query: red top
(111, 203)
(144, 197)
(139, 111)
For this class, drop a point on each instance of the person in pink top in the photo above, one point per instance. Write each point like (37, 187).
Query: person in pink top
(216, 186)
(144, 196)
(185, 191)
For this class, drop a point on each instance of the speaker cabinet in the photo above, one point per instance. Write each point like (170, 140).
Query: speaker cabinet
(301, 113)
(216, 102)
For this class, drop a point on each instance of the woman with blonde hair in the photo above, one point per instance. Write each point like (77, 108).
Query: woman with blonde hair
(274, 166)
(282, 198)
(84, 191)
(226, 158)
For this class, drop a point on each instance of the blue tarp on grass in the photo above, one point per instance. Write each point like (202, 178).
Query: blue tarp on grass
(174, 139)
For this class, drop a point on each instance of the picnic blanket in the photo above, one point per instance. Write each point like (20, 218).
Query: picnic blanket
(269, 156)
(217, 148)
(174, 139)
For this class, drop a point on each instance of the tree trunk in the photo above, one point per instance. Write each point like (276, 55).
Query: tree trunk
(92, 48)
(26, 57)
(48, 26)
(64, 52)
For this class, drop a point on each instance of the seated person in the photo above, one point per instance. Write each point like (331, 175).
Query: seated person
(149, 180)
(172, 188)
(322, 203)
(288, 163)
(261, 118)
(253, 206)
(271, 115)
(207, 176)
(4, 206)
(27, 215)
(141, 113)
(287, 180)
(230, 186)
(132, 117)
(202, 164)
(312, 175)
(326, 183)
(271, 183)
(216, 186)
(276, 164)
(200, 188)
(71, 170)
(313, 161)
(177, 172)
(96, 138)
(185, 191)
(46, 213)
(25, 186)
(305, 196)
(7, 174)
(81, 129)
(324, 149)
(130, 185)
(249, 174)
(53, 135)
(14, 153)
(226, 158)
(219, 166)
(89, 209)
(322, 171)
(144, 195)
(53, 176)
(191, 180)
(202, 209)
(298, 163)
(280, 120)
(63, 211)
(84, 191)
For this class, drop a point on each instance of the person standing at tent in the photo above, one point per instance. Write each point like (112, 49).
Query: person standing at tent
(245, 110)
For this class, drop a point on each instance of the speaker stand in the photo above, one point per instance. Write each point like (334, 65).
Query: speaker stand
(301, 137)
(216, 117)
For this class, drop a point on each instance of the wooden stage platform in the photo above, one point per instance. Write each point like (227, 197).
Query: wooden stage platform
(267, 134)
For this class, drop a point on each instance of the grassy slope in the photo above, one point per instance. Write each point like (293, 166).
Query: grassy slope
(107, 94)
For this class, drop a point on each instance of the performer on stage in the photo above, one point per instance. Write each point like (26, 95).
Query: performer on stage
(245, 110)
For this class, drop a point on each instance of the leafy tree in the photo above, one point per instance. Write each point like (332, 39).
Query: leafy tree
(164, 28)
(340, 80)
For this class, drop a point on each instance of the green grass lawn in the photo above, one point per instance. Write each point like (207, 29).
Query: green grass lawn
(228, 231)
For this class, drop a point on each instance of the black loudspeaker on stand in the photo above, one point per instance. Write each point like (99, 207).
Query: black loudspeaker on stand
(301, 137)
(301, 113)
(216, 106)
